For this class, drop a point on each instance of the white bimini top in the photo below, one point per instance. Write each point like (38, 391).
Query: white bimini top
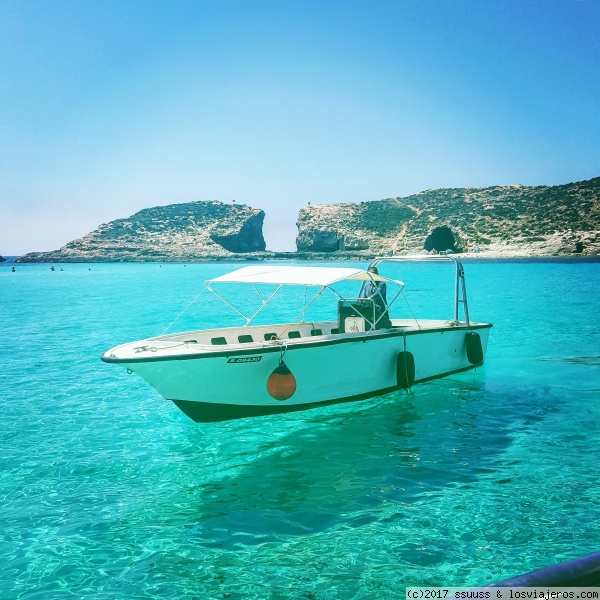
(283, 275)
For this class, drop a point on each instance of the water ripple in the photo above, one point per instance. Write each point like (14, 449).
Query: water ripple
(107, 491)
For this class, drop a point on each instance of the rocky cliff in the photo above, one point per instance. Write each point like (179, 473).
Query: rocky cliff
(512, 220)
(178, 232)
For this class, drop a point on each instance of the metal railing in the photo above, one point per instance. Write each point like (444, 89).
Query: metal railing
(460, 289)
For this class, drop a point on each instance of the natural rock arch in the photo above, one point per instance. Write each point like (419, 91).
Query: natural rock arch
(441, 239)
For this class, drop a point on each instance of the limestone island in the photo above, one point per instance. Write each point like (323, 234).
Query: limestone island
(500, 221)
(193, 231)
(510, 221)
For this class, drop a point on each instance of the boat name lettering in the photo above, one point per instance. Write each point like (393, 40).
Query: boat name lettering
(246, 359)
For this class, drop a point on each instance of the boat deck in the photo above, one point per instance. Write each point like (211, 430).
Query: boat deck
(260, 336)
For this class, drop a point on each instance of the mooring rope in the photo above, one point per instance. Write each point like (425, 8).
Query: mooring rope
(283, 349)
(181, 313)
(411, 311)
(408, 389)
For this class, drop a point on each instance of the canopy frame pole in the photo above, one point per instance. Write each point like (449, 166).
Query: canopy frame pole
(239, 312)
(305, 308)
(394, 299)
(229, 304)
(258, 292)
(264, 303)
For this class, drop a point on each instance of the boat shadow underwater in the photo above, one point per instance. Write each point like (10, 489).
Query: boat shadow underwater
(348, 467)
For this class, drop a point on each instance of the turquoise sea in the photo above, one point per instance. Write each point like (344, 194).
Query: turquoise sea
(109, 491)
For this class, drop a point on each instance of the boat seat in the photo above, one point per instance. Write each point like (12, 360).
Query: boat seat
(269, 337)
(316, 332)
(218, 341)
(244, 339)
(294, 334)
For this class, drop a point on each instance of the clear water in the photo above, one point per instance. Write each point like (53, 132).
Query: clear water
(108, 491)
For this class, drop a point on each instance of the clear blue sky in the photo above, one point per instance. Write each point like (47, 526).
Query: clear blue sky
(108, 107)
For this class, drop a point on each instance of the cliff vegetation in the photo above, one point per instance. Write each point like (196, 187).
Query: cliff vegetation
(511, 220)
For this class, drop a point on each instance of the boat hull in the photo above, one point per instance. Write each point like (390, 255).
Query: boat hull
(232, 383)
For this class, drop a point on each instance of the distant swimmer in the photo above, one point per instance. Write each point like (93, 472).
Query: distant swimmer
(52, 268)
(61, 269)
(13, 270)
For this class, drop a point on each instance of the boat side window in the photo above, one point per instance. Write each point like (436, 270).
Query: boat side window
(335, 330)
(269, 337)
(244, 339)
(218, 341)
(316, 332)
(294, 334)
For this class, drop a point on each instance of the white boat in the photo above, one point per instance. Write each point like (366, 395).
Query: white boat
(253, 370)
